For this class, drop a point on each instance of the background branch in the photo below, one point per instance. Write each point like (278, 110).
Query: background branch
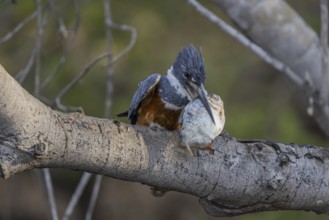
(9, 35)
(51, 195)
(69, 45)
(288, 39)
(77, 195)
(245, 41)
(324, 48)
(107, 104)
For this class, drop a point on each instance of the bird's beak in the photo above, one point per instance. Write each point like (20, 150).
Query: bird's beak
(203, 97)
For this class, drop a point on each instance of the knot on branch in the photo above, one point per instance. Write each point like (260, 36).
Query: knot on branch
(40, 150)
(215, 208)
(36, 148)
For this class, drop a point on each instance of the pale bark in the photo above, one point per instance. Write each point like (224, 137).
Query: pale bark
(237, 177)
(275, 27)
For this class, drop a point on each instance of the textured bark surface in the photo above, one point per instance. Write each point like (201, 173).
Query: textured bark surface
(237, 177)
(279, 30)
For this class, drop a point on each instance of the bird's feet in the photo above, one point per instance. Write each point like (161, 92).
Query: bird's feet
(189, 151)
(186, 150)
(208, 148)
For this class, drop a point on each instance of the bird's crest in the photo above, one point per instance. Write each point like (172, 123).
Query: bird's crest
(190, 60)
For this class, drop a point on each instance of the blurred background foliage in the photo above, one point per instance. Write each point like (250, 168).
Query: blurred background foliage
(259, 102)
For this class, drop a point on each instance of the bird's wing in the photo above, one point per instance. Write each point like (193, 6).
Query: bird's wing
(145, 88)
(187, 117)
(181, 118)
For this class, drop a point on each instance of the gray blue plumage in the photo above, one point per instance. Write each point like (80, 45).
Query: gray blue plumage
(183, 83)
(145, 87)
(189, 64)
(197, 129)
(168, 94)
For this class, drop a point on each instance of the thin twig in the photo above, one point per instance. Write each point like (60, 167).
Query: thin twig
(109, 68)
(50, 191)
(94, 197)
(45, 100)
(67, 48)
(277, 64)
(324, 51)
(41, 23)
(20, 77)
(132, 40)
(18, 27)
(75, 81)
(62, 27)
(108, 101)
(76, 195)
(107, 105)
(84, 72)
(24, 72)
(38, 42)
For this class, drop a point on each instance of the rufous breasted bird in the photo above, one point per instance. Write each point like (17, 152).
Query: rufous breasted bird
(197, 128)
(159, 100)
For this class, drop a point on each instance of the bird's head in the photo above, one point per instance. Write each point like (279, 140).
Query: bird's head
(189, 70)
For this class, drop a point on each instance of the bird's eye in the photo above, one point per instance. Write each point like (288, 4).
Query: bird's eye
(187, 75)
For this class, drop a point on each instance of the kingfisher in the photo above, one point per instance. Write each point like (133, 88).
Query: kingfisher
(159, 100)
(197, 128)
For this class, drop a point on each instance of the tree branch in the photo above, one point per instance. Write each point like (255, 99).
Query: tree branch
(324, 49)
(50, 193)
(245, 41)
(237, 177)
(276, 28)
(279, 30)
(22, 24)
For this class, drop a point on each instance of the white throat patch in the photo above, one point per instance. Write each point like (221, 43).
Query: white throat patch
(175, 83)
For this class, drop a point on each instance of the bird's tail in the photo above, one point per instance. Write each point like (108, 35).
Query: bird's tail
(123, 114)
